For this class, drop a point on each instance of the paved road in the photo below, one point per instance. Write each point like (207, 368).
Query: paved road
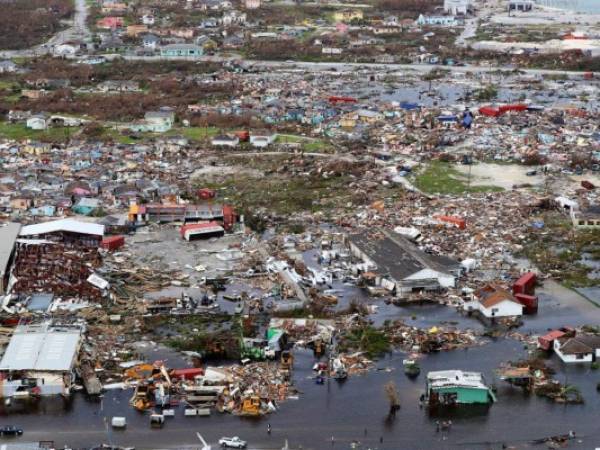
(348, 66)
(469, 31)
(77, 31)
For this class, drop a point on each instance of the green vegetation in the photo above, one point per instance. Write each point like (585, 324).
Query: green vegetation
(19, 132)
(558, 249)
(310, 145)
(196, 133)
(486, 94)
(440, 177)
(366, 339)
(283, 195)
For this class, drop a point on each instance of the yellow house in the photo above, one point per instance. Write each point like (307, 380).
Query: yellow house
(348, 15)
(35, 148)
(20, 203)
(348, 121)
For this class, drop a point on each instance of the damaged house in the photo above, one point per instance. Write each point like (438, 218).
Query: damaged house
(492, 301)
(40, 360)
(400, 265)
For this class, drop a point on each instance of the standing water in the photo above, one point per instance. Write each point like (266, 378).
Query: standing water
(580, 6)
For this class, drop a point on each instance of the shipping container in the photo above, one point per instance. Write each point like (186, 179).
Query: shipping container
(112, 243)
(529, 302)
(525, 284)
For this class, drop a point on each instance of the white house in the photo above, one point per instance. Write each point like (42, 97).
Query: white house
(252, 4)
(331, 51)
(583, 348)
(492, 302)
(520, 5)
(455, 7)
(150, 41)
(233, 17)
(588, 219)
(225, 141)
(148, 19)
(262, 139)
(7, 66)
(66, 49)
(38, 122)
(161, 120)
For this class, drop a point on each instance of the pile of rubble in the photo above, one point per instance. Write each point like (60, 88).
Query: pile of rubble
(414, 339)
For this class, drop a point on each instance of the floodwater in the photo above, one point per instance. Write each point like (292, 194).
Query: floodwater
(581, 6)
(343, 411)
(346, 410)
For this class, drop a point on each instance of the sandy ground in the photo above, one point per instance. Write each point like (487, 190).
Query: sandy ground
(502, 175)
(507, 175)
(217, 171)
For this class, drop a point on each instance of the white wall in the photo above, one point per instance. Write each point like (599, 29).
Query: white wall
(444, 279)
(505, 308)
(570, 359)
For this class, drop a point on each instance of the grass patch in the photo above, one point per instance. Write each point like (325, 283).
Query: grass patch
(441, 178)
(19, 132)
(195, 133)
(283, 195)
(367, 339)
(557, 249)
(308, 144)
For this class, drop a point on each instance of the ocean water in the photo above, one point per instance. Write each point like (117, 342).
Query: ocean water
(582, 6)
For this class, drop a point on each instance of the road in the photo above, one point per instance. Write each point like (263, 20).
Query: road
(469, 31)
(77, 31)
(348, 66)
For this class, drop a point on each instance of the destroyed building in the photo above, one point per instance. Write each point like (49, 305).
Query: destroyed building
(401, 266)
(40, 360)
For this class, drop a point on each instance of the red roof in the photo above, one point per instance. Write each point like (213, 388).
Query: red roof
(554, 334)
(525, 279)
(198, 227)
(187, 374)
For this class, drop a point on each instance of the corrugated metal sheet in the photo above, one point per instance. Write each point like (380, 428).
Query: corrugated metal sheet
(70, 225)
(8, 236)
(41, 348)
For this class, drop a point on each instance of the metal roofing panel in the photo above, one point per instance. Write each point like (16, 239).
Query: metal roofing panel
(8, 236)
(71, 225)
(41, 349)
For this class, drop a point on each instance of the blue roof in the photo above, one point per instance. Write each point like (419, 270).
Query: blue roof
(40, 302)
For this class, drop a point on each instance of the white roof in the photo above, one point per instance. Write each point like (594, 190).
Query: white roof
(8, 236)
(71, 225)
(41, 348)
(443, 378)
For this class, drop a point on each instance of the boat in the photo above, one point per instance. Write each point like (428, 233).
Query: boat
(456, 387)
(411, 368)
(239, 308)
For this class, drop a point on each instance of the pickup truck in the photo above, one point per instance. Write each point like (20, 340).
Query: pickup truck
(232, 442)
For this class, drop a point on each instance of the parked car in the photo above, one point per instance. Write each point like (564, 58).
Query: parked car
(531, 173)
(10, 430)
(232, 442)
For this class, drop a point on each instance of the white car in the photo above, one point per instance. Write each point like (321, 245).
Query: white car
(232, 442)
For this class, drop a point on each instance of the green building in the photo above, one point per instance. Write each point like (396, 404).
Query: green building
(455, 387)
